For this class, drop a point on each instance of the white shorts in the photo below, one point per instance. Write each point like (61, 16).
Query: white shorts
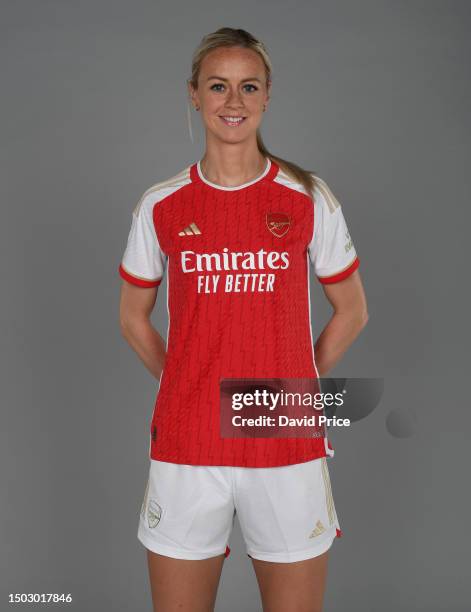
(285, 513)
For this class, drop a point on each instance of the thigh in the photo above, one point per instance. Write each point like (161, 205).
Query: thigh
(187, 511)
(292, 587)
(286, 513)
(183, 585)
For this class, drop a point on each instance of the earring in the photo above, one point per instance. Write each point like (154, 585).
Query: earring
(197, 108)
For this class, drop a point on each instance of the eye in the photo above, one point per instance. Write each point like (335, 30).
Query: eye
(246, 85)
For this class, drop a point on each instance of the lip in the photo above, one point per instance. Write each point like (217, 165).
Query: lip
(232, 125)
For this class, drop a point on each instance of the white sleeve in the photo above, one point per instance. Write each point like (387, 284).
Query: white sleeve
(331, 249)
(143, 263)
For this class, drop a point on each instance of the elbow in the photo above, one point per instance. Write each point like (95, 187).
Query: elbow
(359, 318)
(364, 317)
(124, 327)
(132, 324)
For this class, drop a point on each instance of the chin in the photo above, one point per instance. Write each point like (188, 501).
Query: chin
(223, 135)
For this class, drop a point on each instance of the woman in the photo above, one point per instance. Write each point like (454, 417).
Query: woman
(237, 231)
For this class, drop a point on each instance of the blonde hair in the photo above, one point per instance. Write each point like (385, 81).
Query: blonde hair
(230, 37)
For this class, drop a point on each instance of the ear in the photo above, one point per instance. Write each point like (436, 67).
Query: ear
(268, 91)
(192, 94)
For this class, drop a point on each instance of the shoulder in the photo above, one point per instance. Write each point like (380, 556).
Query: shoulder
(290, 182)
(323, 196)
(161, 190)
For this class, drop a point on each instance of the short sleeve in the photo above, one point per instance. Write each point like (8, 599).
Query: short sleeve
(331, 250)
(143, 263)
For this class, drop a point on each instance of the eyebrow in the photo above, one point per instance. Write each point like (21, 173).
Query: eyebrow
(223, 79)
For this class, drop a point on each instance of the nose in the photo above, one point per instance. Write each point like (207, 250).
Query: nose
(233, 98)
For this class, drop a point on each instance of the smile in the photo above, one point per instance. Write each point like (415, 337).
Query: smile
(233, 121)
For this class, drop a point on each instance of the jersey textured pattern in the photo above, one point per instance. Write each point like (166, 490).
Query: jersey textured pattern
(237, 260)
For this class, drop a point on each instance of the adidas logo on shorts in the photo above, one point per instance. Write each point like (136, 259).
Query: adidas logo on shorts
(190, 230)
(318, 529)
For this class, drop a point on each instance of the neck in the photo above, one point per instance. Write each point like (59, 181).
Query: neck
(230, 166)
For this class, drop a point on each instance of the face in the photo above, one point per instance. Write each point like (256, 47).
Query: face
(231, 83)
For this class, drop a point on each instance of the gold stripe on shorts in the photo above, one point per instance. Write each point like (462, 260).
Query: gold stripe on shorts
(144, 501)
(329, 500)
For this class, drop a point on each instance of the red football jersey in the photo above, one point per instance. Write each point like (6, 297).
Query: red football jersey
(238, 262)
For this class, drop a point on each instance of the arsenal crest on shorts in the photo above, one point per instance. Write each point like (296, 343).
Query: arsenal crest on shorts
(278, 223)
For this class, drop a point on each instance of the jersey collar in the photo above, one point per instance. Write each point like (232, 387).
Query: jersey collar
(269, 173)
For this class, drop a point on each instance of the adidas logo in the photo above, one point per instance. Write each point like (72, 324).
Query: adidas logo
(318, 529)
(191, 230)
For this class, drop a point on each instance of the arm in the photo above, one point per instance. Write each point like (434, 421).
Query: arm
(142, 269)
(350, 316)
(135, 308)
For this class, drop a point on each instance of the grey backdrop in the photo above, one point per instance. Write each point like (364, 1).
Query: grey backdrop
(375, 97)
